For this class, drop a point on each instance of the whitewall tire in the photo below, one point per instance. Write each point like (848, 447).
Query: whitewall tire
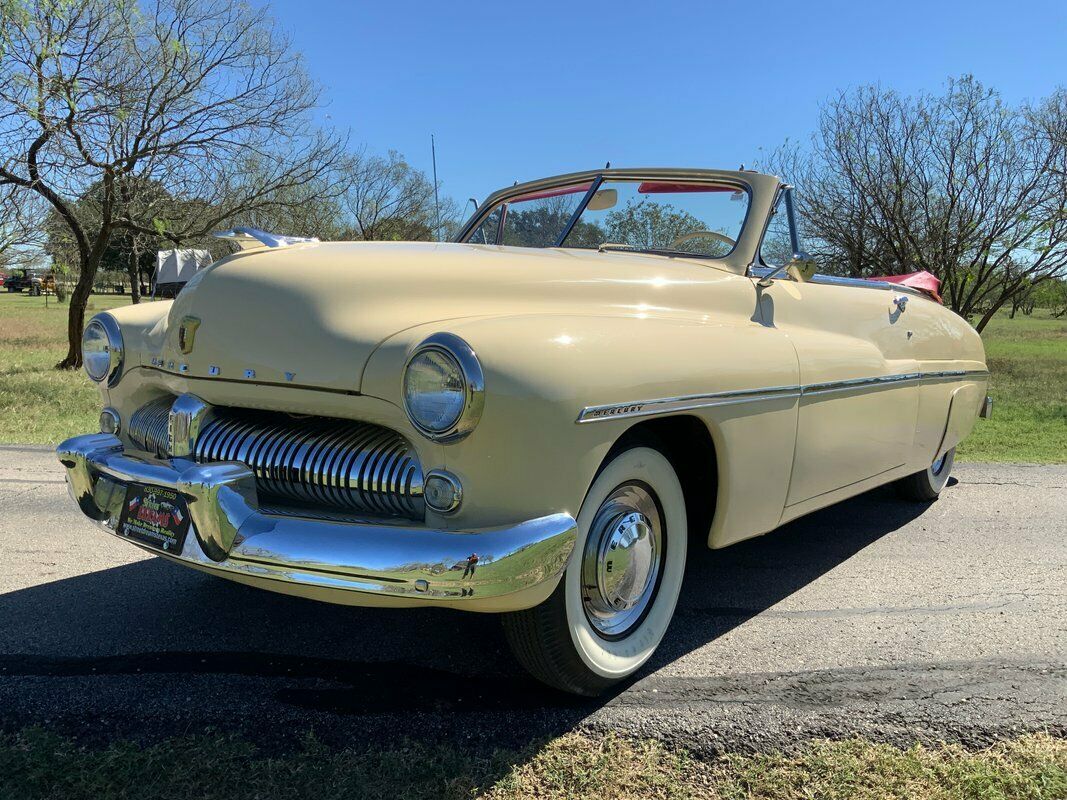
(926, 486)
(618, 594)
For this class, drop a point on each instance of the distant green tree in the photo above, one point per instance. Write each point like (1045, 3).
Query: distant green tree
(128, 252)
(645, 224)
(1051, 295)
(540, 224)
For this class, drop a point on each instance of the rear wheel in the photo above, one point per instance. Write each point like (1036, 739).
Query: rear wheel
(617, 596)
(926, 486)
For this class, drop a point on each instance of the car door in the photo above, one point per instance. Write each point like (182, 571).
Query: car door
(859, 389)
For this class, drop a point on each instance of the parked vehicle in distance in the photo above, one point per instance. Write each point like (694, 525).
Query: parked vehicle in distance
(536, 419)
(33, 282)
(29, 281)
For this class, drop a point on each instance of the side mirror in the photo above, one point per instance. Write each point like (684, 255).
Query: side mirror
(801, 268)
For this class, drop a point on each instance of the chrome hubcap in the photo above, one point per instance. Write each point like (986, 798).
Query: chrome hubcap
(622, 559)
(938, 465)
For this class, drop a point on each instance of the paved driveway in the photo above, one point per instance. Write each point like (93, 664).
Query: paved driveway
(875, 617)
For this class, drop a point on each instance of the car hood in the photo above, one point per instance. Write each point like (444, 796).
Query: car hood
(312, 314)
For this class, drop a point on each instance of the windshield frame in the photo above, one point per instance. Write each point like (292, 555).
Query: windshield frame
(597, 178)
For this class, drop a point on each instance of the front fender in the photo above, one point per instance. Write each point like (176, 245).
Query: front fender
(143, 327)
(530, 455)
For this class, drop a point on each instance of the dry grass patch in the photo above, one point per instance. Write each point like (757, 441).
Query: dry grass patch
(37, 765)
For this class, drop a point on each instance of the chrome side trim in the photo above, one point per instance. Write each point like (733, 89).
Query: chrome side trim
(234, 538)
(663, 405)
(835, 280)
(859, 383)
(645, 408)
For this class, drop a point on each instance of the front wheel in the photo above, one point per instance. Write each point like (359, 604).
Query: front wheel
(617, 596)
(926, 486)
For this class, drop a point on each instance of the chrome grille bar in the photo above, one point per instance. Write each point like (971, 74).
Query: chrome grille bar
(316, 461)
(149, 426)
(319, 460)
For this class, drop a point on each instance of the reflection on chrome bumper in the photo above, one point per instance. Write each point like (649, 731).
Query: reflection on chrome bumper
(401, 561)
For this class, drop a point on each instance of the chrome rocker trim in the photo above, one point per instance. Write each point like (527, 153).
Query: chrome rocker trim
(518, 566)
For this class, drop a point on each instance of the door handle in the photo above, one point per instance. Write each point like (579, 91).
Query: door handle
(901, 302)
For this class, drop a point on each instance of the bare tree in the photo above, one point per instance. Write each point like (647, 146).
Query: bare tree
(387, 198)
(202, 97)
(310, 209)
(21, 234)
(958, 184)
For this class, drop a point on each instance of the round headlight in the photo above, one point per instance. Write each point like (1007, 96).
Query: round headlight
(443, 388)
(102, 349)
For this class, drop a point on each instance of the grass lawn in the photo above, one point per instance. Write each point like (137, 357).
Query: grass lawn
(35, 764)
(1027, 358)
(38, 404)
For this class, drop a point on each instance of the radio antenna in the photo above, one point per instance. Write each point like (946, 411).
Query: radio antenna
(436, 200)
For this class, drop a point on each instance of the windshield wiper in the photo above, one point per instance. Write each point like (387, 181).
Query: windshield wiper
(610, 247)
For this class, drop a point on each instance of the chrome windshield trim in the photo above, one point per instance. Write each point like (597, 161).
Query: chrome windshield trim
(745, 180)
(645, 408)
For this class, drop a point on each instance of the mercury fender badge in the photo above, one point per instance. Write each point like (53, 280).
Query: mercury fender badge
(186, 333)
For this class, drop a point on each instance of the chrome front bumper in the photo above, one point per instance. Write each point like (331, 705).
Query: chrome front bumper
(365, 562)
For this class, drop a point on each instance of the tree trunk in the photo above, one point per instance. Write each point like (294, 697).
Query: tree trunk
(133, 268)
(79, 298)
(988, 315)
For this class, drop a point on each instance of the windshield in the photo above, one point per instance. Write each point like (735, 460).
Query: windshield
(690, 218)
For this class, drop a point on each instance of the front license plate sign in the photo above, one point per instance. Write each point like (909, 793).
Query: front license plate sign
(155, 516)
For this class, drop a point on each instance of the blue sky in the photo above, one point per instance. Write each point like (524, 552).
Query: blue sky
(514, 91)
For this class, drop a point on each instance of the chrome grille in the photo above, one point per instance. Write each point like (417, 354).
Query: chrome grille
(148, 426)
(336, 463)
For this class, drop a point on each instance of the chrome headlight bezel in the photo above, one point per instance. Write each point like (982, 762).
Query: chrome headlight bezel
(470, 369)
(115, 350)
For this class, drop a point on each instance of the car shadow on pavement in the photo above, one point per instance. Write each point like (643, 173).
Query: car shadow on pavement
(249, 654)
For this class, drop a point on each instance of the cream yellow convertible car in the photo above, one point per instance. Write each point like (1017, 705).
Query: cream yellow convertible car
(537, 418)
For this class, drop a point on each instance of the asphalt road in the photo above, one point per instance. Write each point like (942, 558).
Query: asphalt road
(876, 617)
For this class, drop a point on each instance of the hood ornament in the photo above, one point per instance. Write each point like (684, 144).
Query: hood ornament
(249, 238)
